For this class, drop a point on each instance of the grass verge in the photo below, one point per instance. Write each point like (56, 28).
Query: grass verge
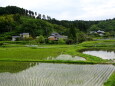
(111, 80)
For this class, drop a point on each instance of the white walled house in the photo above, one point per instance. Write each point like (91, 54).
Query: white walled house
(22, 35)
(99, 32)
(15, 37)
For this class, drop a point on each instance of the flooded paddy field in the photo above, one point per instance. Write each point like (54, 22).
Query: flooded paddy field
(49, 74)
(102, 54)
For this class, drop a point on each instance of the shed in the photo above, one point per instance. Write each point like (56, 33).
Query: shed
(15, 37)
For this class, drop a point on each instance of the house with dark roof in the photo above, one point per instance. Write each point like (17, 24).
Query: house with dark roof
(56, 36)
(99, 32)
(22, 35)
(15, 37)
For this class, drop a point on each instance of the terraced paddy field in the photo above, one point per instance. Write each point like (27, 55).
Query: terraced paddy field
(49, 74)
(33, 65)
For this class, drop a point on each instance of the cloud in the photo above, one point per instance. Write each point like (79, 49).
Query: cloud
(96, 10)
(68, 9)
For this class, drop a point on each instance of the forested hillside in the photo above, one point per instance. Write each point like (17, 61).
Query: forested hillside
(15, 24)
(15, 20)
(106, 25)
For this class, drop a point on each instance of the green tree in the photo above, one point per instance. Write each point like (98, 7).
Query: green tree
(16, 17)
(40, 39)
(94, 28)
(81, 36)
(61, 41)
(44, 17)
(72, 34)
(39, 16)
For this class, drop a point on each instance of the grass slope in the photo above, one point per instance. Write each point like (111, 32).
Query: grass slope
(110, 81)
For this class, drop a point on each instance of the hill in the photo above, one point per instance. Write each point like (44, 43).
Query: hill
(14, 24)
(15, 20)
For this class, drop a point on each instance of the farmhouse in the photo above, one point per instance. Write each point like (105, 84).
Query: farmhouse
(15, 37)
(22, 35)
(56, 36)
(101, 33)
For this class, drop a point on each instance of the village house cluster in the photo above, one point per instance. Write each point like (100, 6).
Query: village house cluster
(53, 36)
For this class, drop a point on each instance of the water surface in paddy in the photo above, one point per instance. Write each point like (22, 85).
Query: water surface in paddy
(49, 74)
(66, 57)
(101, 54)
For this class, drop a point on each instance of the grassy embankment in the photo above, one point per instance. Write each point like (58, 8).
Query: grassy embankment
(110, 81)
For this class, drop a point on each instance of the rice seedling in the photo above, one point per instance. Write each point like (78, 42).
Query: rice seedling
(49, 74)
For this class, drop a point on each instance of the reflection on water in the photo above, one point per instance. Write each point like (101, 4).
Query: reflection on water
(49, 74)
(67, 57)
(102, 54)
(14, 67)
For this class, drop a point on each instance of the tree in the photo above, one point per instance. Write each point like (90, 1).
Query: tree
(94, 28)
(1, 44)
(16, 17)
(40, 39)
(72, 34)
(44, 17)
(35, 13)
(26, 12)
(81, 36)
(31, 13)
(61, 41)
(39, 16)
(48, 18)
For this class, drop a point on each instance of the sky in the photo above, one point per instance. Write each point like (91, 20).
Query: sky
(68, 9)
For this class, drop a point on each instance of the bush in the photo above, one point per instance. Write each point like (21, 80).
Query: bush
(18, 39)
(33, 42)
(40, 39)
(28, 39)
(61, 41)
(2, 38)
(69, 41)
(1, 44)
(53, 42)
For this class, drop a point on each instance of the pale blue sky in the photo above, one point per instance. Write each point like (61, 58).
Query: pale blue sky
(68, 9)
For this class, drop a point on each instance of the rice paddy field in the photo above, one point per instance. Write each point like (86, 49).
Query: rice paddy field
(49, 74)
(20, 65)
(22, 52)
(18, 51)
